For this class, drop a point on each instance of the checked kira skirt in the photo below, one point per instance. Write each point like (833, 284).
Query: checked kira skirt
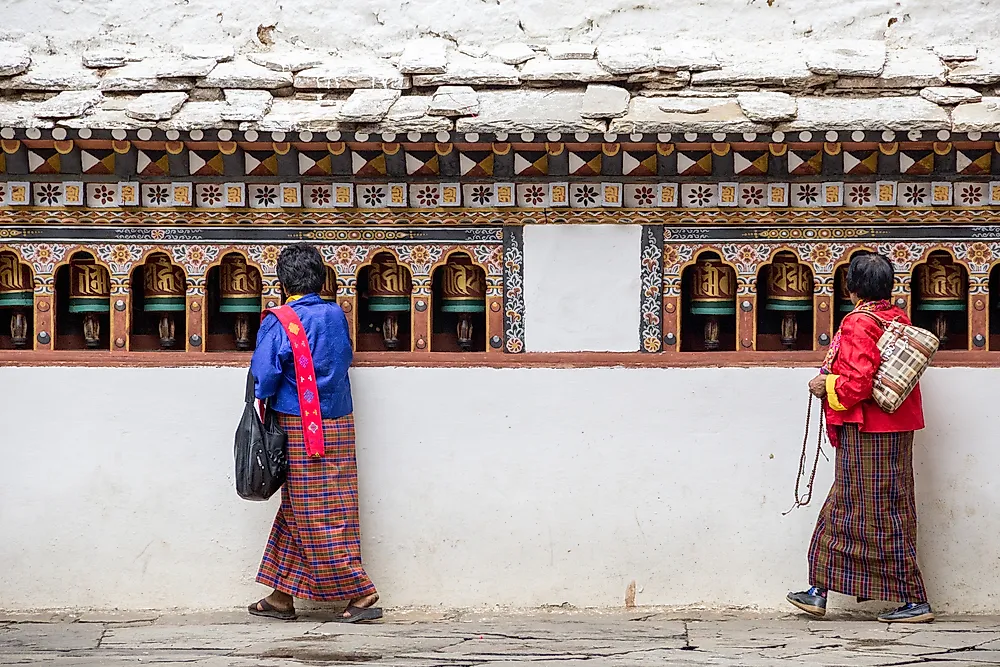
(865, 542)
(314, 551)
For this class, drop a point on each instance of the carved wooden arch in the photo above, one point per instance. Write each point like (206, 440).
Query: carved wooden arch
(375, 251)
(238, 250)
(816, 280)
(73, 249)
(451, 250)
(678, 279)
(148, 251)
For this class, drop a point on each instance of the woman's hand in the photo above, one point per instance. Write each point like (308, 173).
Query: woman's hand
(817, 386)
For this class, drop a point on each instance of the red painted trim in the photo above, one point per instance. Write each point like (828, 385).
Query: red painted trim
(945, 358)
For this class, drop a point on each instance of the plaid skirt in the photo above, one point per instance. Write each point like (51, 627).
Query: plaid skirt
(865, 542)
(314, 551)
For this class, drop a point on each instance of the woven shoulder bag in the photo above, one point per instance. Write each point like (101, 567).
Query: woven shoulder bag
(906, 352)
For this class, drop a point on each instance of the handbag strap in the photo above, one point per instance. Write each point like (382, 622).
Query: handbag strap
(305, 378)
(250, 397)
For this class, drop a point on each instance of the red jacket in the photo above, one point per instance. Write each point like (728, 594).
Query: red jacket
(849, 384)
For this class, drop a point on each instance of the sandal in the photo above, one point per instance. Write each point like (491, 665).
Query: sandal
(356, 614)
(263, 608)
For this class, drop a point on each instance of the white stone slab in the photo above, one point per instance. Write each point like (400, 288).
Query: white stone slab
(574, 71)
(411, 114)
(766, 64)
(950, 95)
(513, 53)
(352, 72)
(981, 116)
(847, 57)
(626, 56)
(424, 56)
(454, 102)
(581, 288)
(14, 59)
(694, 56)
(465, 71)
(604, 101)
(69, 104)
(722, 115)
(53, 74)
(155, 106)
(241, 73)
(197, 116)
(879, 113)
(246, 105)
(530, 111)
(368, 105)
(296, 115)
(767, 107)
(106, 58)
(571, 51)
(286, 60)
(142, 77)
(904, 68)
(221, 53)
(956, 52)
(983, 71)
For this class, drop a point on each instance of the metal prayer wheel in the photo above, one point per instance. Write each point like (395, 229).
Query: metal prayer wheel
(240, 294)
(389, 288)
(17, 293)
(941, 289)
(463, 291)
(164, 292)
(89, 294)
(789, 291)
(329, 290)
(844, 303)
(713, 294)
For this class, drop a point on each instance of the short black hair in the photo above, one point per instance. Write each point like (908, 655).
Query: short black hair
(301, 269)
(870, 277)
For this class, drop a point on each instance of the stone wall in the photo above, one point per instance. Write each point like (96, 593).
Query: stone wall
(74, 25)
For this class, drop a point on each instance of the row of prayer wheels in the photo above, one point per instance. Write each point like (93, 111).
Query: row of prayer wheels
(165, 294)
(941, 288)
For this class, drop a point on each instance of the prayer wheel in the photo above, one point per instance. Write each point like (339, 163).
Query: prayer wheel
(16, 293)
(789, 291)
(942, 289)
(240, 294)
(90, 295)
(329, 291)
(463, 291)
(164, 292)
(844, 303)
(713, 294)
(389, 288)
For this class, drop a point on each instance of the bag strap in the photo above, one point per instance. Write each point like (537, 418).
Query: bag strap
(305, 378)
(250, 398)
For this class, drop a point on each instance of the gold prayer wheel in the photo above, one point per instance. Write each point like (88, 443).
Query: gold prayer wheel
(713, 294)
(89, 294)
(164, 292)
(941, 290)
(329, 291)
(463, 291)
(389, 288)
(789, 291)
(17, 293)
(240, 294)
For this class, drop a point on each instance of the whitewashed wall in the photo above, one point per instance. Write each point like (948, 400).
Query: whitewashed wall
(153, 23)
(518, 487)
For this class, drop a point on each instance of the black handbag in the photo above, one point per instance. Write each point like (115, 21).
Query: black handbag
(261, 451)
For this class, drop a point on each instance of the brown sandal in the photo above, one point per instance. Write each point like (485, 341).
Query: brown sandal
(356, 614)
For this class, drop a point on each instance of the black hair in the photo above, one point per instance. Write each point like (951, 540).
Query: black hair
(870, 277)
(301, 269)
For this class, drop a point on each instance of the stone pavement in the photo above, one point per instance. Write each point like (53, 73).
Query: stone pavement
(541, 638)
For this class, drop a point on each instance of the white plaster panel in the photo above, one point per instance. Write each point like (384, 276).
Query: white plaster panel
(516, 487)
(73, 25)
(582, 288)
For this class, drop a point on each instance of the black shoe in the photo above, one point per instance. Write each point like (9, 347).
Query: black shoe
(913, 612)
(809, 601)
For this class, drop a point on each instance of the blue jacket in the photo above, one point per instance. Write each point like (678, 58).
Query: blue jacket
(330, 343)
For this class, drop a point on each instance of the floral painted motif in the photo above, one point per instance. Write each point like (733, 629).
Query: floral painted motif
(821, 256)
(421, 257)
(158, 195)
(645, 196)
(428, 196)
(266, 196)
(482, 195)
(513, 298)
(105, 196)
(754, 195)
(809, 194)
(971, 194)
(702, 195)
(265, 256)
(861, 195)
(211, 195)
(374, 196)
(915, 195)
(587, 195)
(49, 194)
(195, 258)
(534, 195)
(320, 196)
(651, 280)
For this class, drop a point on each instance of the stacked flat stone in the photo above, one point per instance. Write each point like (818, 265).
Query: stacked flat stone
(624, 86)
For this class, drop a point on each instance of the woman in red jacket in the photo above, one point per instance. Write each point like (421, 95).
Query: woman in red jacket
(865, 541)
